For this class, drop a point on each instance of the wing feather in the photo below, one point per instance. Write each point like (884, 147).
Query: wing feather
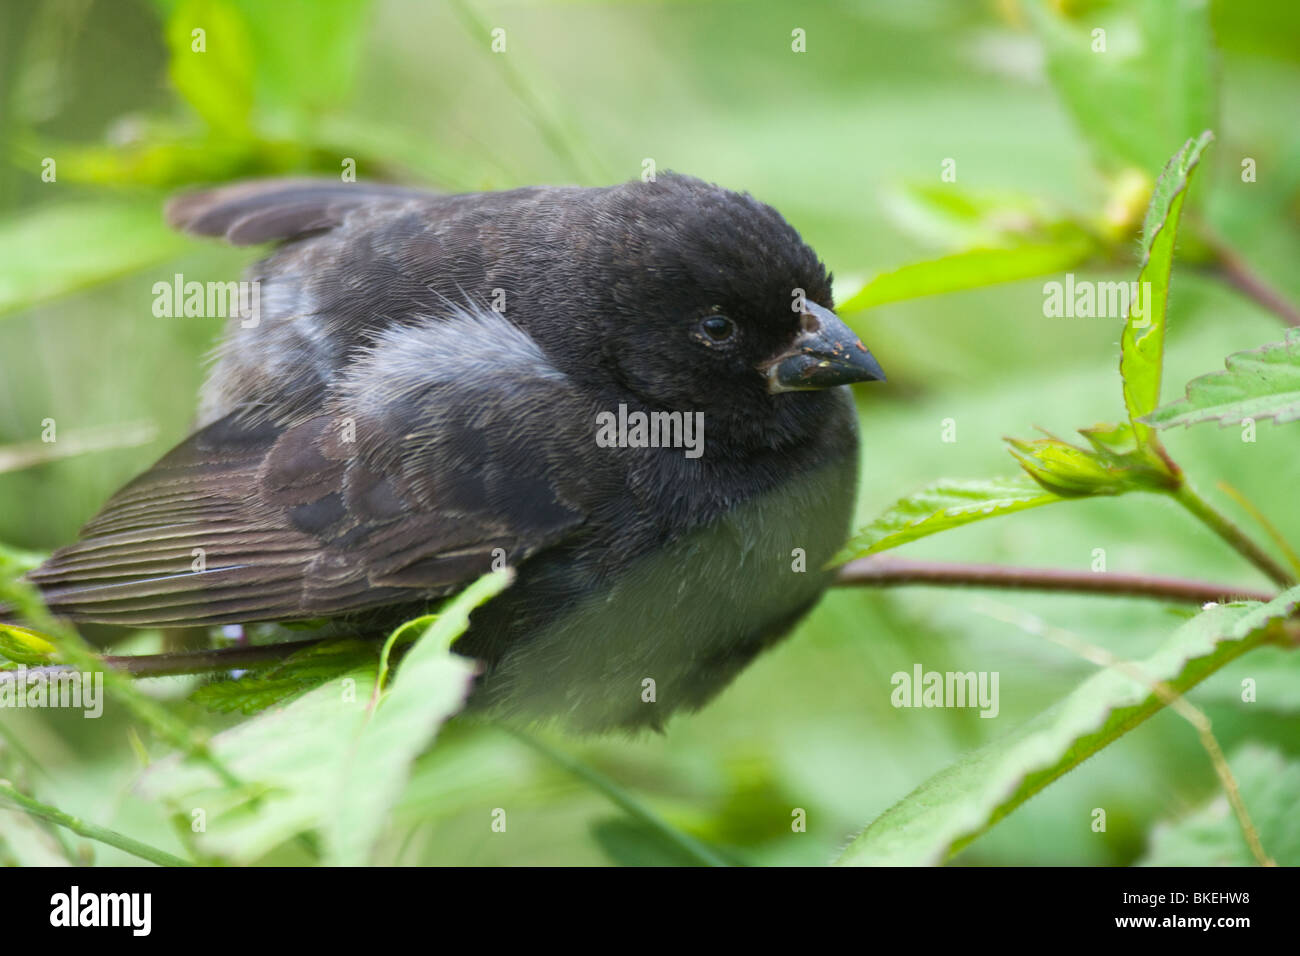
(401, 488)
(278, 209)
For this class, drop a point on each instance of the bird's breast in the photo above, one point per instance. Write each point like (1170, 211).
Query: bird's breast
(671, 618)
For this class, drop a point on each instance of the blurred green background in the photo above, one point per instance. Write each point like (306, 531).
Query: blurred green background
(834, 138)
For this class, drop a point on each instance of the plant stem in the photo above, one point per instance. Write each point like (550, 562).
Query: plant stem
(1234, 270)
(1221, 525)
(214, 659)
(91, 830)
(876, 572)
(625, 801)
(888, 572)
(1261, 519)
(184, 662)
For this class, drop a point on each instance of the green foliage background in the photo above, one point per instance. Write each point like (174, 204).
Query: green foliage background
(1054, 167)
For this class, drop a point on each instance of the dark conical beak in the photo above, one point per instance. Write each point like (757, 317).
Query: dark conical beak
(825, 353)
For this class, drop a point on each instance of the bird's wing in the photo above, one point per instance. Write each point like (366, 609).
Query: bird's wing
(354, 260)
(446, 441)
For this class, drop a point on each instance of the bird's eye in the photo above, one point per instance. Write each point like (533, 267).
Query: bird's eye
(718, 327)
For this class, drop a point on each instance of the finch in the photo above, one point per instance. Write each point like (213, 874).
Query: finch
(633, 395)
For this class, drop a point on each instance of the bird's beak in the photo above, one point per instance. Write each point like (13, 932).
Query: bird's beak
(824, 354)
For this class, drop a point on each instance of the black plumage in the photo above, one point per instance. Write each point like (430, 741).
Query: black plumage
(419, 398)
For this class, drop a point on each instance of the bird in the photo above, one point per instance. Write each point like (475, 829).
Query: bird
(635, 396)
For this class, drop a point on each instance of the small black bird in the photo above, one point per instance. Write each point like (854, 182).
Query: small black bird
(629, 394)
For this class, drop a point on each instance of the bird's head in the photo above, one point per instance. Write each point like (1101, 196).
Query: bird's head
(708, 300)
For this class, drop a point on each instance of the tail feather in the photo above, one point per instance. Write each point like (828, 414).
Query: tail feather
(275, 209)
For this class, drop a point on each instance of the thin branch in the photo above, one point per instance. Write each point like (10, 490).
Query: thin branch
(19, 800)
(183, 662)
(215, 659)
(876, 571)
(1261, 519)
(700, 852)
(1236, 272)
(84, 441)
(1223, 526)
(882, 571)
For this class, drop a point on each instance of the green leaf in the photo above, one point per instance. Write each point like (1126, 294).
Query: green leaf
(56, 250)
(1067, 470)
(291, 59)
(1212, 835)
(1142, 345)
(15, 562)
(955, 217)
(949, 503)
(1274, 675)
(169, 156)
(431, 685)
(305, 55)
(630, 842)
(326, 761)
(294, 675)
(217, 79)
(24, 646)
(1260, 383)
(1112, 439)
(955, 806)
(248, 694)
(290, 758)
(1114, 465)
(972, 269)
(165, 158)
(1152, 85)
